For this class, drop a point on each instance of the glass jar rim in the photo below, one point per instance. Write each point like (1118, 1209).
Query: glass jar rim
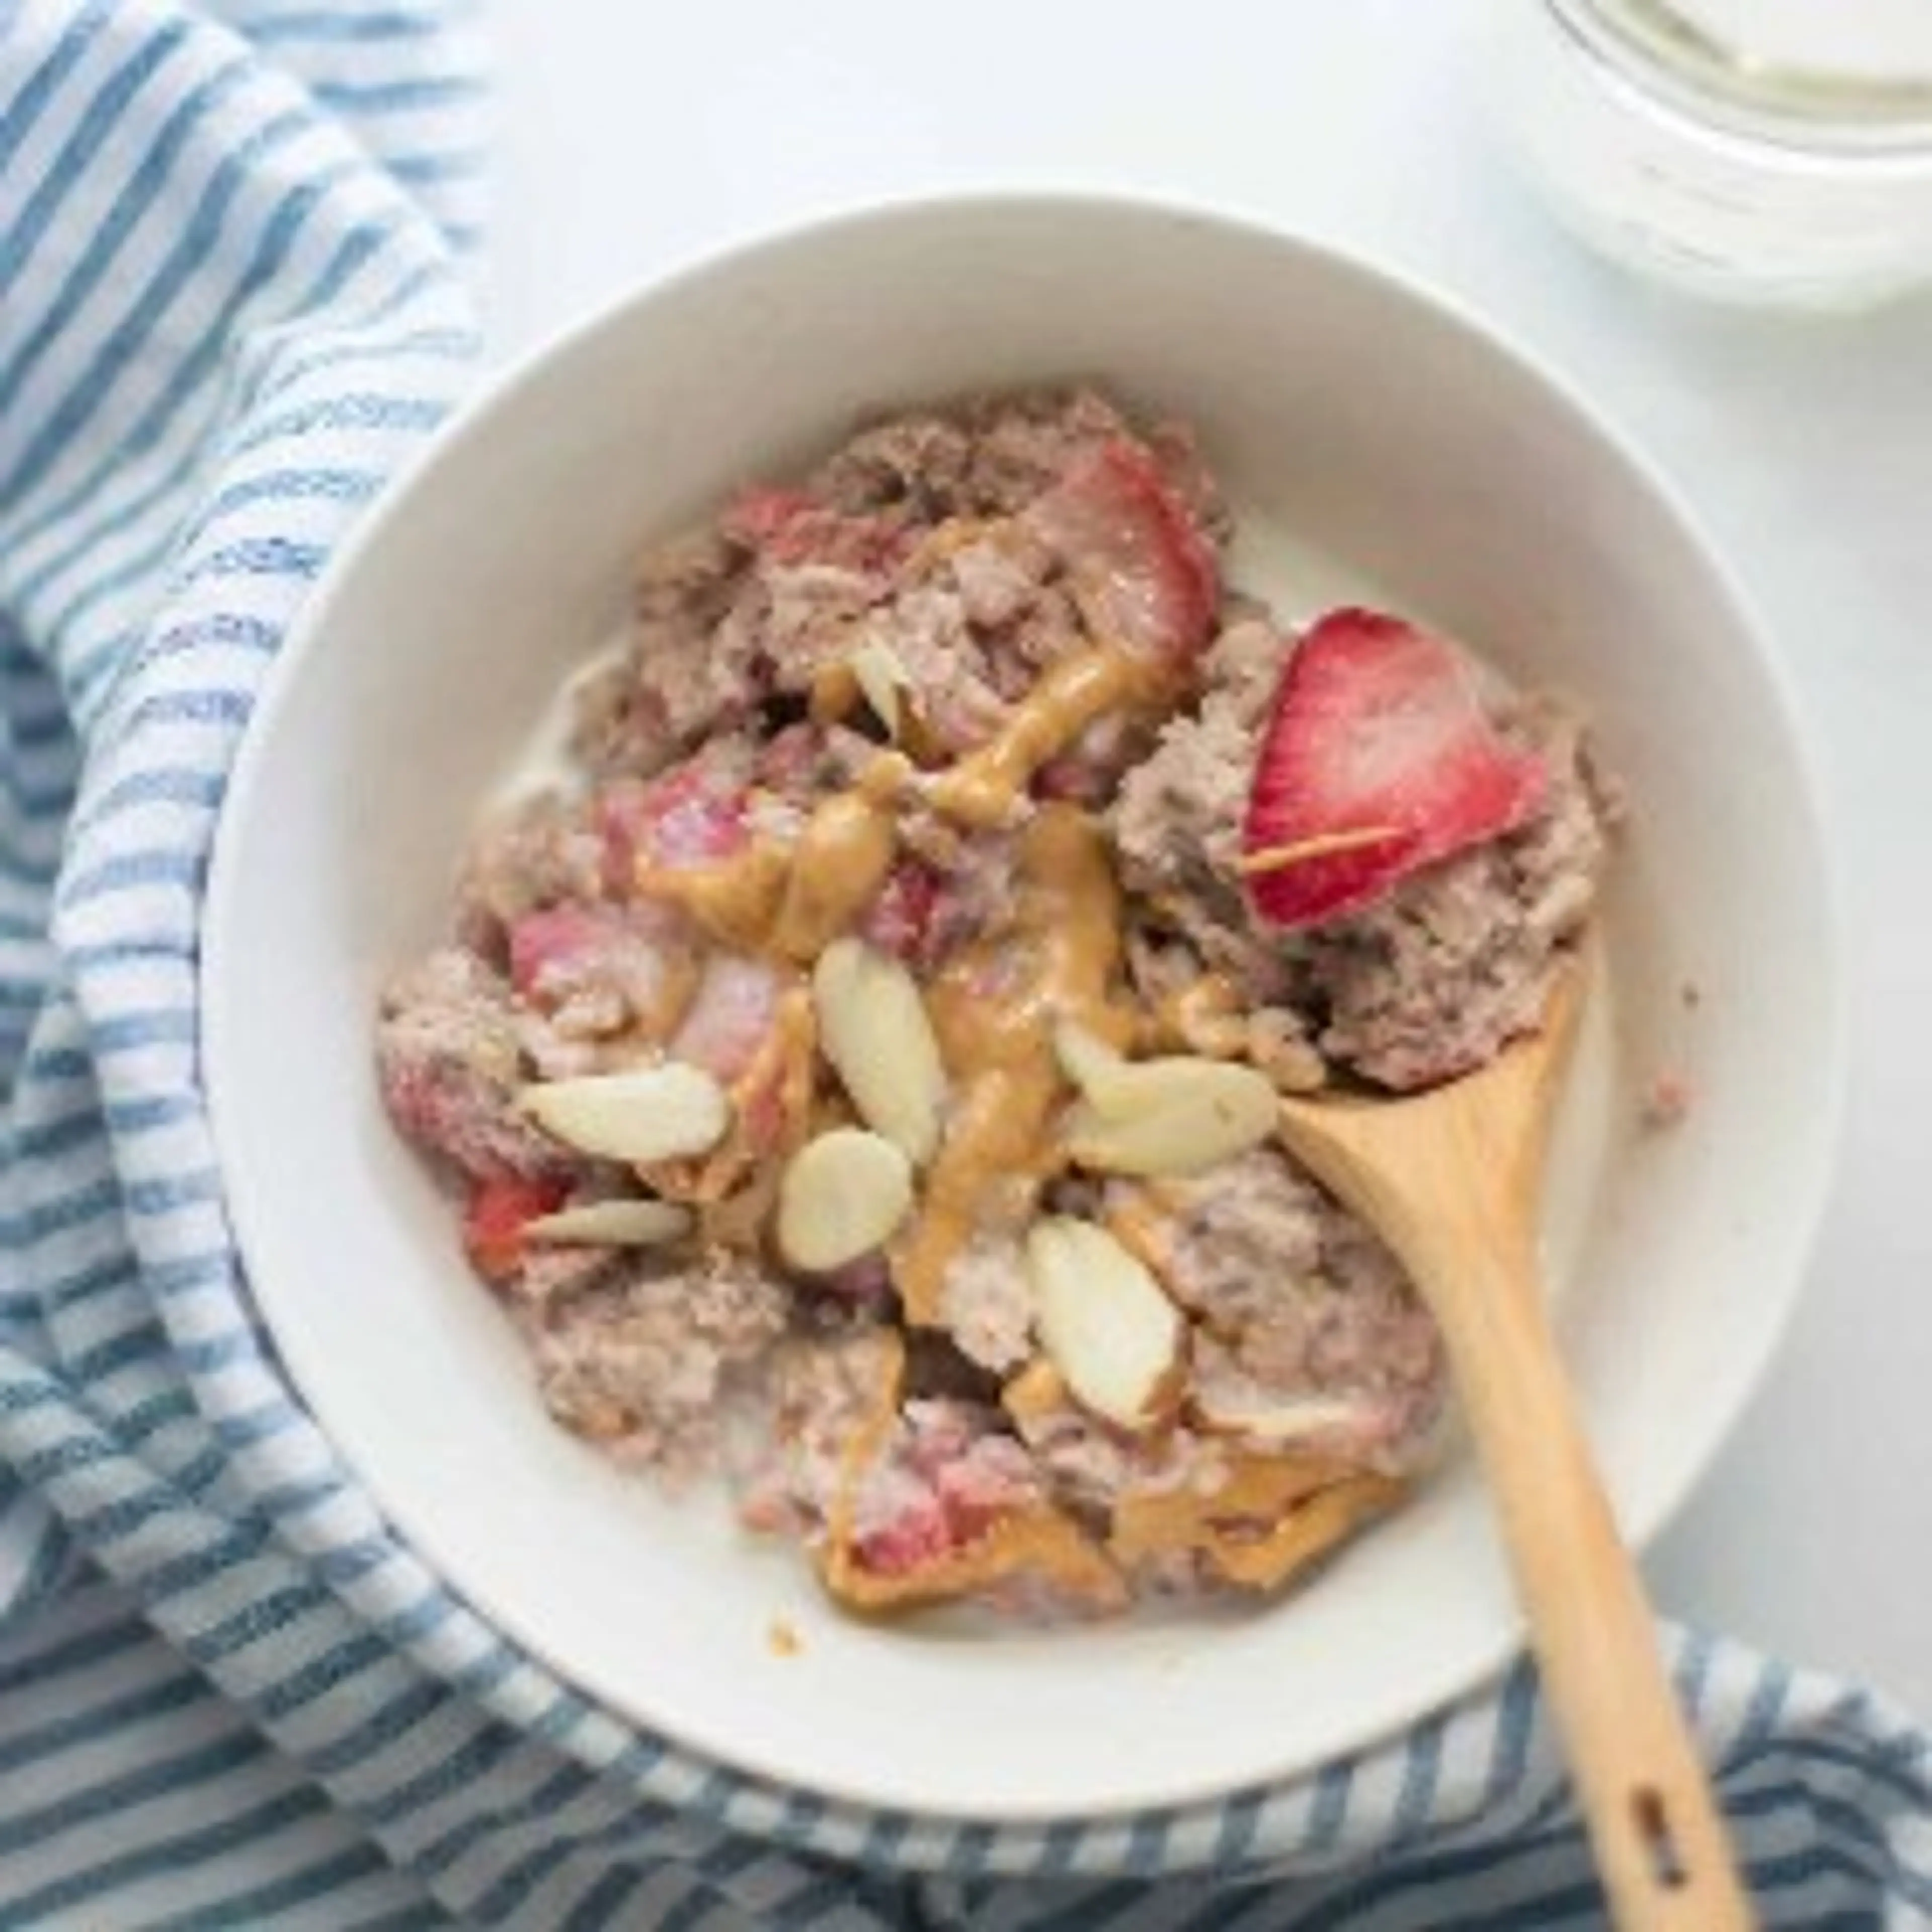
(1657, 43)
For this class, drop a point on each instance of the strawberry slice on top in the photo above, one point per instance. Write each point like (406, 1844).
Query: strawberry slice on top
(1378, 759)
(1144, 571)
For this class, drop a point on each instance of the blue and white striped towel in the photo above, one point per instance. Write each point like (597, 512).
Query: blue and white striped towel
(230, 305)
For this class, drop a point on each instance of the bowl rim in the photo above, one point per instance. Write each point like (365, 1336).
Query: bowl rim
(503, 389)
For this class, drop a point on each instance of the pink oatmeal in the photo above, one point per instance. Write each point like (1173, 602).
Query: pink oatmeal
(859, 1080)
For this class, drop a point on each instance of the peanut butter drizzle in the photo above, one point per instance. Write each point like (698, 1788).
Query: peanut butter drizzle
(795, 900)
(994, 1008)
(734, 900)
(792, 900)
(983, 788)
(837, 867)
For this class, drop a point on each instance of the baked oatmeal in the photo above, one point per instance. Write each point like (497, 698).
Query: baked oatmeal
(860, 1079)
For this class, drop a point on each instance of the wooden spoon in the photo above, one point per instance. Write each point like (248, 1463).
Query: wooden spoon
(1451, 1180)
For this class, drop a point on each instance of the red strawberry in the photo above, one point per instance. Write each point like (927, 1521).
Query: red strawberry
(693, 814)
(917, 1535)
(1378, 759)
(696, 816)
(492, 1223)
(556, 937)
(729, 1016)
(758, 516)
(789, 527)
(993, 1479)
(636, 955)
(1145, 573)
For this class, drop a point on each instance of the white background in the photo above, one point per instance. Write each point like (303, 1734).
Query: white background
(636, 136)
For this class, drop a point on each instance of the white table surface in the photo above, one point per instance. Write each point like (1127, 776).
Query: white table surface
(636, 136)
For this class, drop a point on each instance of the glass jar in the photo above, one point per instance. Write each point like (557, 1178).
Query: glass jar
(1776, 151)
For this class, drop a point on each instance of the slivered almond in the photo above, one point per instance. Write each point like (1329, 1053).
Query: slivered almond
(842, 1196)
(613, 1224)
(882, 678)
(1104, 1322)
(1178, 1115)
(656, 1113)
(874, 1028)
(1093, 1067)
(1324, 845)
(1234, 1407)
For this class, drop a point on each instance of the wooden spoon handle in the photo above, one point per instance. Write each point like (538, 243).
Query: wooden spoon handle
(1661, 1842)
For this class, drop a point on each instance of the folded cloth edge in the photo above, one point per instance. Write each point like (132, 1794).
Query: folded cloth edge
(177, 461)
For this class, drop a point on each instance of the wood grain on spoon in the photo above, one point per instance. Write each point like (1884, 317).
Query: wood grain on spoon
(1451, 1179)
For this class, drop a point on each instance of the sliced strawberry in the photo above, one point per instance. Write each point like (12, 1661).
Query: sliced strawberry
(460, 1107)
(730, 1018)
(1379, 759)
(500, 1207)
(789, 527)
(689, 816)
(1144, 572)
(554, 940)
(917, 1534)
(946, 1489)
(697, 817)
(994, 1477)
(632, 960)
(759, 516)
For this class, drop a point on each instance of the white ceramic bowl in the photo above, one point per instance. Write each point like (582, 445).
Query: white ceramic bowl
(1368, 434)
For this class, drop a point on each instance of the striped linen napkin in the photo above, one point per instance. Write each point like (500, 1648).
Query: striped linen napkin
(231, 304)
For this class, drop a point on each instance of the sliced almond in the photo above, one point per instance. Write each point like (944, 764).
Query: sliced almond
(1093, 1067)
(882, 678)
(1231, 1106)
(655, 1113)
(842, 1196)
(1324, 845)
(1234, 1406)
(1175, 1116)
(613, 1224)
(1103, 1321)
(874, 1028)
